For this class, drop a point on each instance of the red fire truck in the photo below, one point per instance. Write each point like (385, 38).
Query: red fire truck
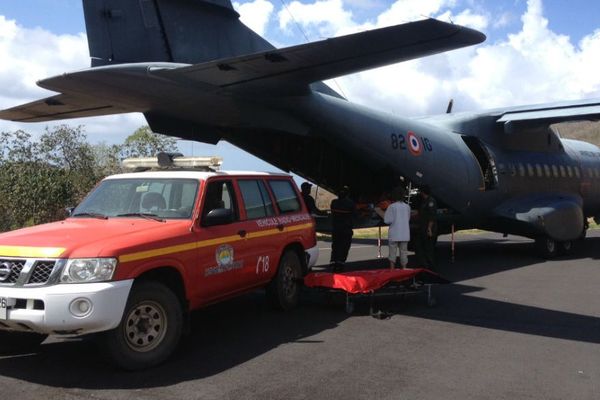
(143, 249)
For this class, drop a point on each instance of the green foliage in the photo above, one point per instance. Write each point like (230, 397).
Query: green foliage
(39, 179)
(144, 143)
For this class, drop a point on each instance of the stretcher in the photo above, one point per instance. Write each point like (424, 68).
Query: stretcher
(376, 283)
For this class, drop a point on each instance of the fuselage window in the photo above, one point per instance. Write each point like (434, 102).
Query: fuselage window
(521, 170)
(513, 169)
(590, 173)
(569, 171)
(538, 169)
(577, 173)
(554, 171)
(563, 173)
(530, 170)
(547, 170)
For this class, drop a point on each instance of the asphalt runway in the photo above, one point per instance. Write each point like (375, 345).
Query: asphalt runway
(509, 326)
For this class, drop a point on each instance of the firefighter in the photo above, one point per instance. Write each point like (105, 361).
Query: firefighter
(427, 230)
(342, 212)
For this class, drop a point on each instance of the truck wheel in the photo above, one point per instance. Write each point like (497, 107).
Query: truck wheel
(14, 342)
(284, 289)
(150, 329)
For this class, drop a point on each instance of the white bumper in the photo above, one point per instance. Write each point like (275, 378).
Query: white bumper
(107, 301)
(313, 255)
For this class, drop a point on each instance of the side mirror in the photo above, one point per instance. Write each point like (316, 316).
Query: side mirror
(69, 211)
(218, 216)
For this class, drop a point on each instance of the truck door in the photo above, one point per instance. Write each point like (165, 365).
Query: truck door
(262, 231)
(222, 248)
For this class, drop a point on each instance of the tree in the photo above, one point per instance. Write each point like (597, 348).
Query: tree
(66, 148)
(37, 180)
(107, 159)
(145, 143)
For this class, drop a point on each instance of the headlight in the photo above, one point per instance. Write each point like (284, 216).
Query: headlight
(85, 270)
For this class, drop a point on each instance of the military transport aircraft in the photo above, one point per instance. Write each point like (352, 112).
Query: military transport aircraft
(198, 73)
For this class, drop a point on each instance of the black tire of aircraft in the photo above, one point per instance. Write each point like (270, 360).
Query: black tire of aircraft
(550, 248)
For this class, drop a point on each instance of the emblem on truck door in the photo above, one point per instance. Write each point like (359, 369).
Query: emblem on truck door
(224, 255)
(5, 270)
(225, 261)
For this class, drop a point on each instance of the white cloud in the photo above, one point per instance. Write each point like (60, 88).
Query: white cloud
(532, 65)
(32, 54)
(325, 17)
(365, 4)
(411, 10)
(255, 14)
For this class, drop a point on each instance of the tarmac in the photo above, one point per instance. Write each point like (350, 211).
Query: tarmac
(509, 326)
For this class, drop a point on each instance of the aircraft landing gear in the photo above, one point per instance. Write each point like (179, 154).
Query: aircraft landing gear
(546, 247)
(566, 247)
(550, 248)
(586, 225)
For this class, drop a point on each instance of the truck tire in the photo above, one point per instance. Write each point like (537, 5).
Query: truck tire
(284, 290)
(15, 342)
(150, 328)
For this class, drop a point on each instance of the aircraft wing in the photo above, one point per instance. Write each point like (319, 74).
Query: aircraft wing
(316, 61)
(554, 112)
(61, 106)
(149, 86)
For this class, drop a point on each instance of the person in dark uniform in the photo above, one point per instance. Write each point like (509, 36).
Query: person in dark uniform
(309, 201)
(342, 211)
(427, 230)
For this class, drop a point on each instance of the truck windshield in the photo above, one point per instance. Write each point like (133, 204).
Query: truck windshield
(163, 198)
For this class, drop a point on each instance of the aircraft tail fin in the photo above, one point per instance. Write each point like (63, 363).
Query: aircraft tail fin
(181, 31)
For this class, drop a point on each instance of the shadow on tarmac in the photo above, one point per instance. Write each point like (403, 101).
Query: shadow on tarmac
(223, 336)
(229, 334)
(482, 257)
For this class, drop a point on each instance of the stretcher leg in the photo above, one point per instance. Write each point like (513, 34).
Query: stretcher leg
(431, 301)
(349, 304)
(379, 242)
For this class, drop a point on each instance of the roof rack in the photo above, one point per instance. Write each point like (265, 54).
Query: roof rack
(169, 161)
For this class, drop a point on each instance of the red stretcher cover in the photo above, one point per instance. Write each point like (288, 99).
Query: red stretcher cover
(366, 281)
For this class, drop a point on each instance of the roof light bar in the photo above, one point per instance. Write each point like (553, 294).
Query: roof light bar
(207, 163)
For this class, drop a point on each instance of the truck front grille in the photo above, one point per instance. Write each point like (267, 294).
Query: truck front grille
(10, 270)
(24, 272)
(41, 272)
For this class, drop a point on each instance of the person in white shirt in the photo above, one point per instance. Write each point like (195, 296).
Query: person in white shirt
(397, 216)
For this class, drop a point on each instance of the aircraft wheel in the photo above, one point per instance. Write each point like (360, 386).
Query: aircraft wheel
(566, 247)
(547, 247)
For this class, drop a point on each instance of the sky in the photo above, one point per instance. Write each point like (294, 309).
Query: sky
(536, 51)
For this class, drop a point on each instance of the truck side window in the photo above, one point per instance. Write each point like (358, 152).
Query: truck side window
(220, 194)
(285, 195)
(256, 199)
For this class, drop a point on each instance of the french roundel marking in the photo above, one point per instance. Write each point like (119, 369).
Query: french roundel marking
(414, 144)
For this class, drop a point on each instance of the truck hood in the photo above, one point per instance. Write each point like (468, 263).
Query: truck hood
(87, 237)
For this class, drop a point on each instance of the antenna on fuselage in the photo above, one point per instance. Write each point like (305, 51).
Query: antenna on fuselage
(450, 105)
